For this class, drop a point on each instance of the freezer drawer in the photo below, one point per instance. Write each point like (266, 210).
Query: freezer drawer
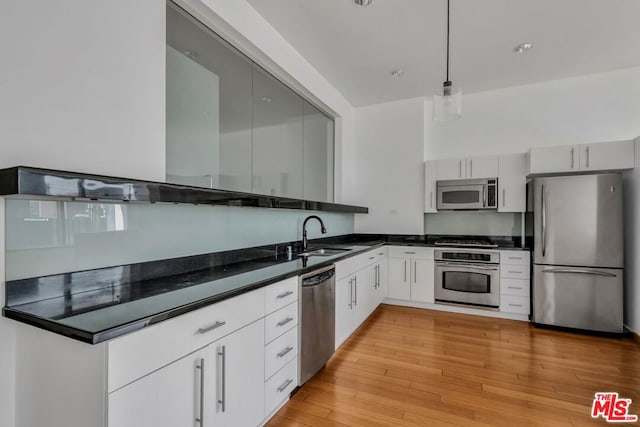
(582, 298)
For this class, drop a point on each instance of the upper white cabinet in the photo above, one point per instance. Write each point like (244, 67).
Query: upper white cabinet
(512, 182)
(467, 168)
(584, 157)
(430, 178)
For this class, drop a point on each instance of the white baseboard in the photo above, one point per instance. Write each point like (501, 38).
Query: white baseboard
(458, 309)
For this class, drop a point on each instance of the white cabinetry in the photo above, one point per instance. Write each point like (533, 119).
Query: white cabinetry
(430, 188)
(467, 168)
(584, 157)
(411, 273)
(206, 367)
(512, 182)
(359, 290)
(515, 282)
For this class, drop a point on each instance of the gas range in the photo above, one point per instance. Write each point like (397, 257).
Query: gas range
(466, 242)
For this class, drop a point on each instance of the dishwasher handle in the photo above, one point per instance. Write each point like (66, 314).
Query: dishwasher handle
(319, 278)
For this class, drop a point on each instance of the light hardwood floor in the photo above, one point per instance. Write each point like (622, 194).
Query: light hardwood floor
(411, 367)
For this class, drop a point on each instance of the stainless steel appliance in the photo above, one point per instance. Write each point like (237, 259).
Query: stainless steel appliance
(578, 252)
(317, 320)
(465, 194)
(467, 277)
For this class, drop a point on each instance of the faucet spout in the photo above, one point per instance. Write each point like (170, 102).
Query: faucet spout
(323, 229)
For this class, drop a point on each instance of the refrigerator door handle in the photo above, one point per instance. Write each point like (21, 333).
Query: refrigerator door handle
(544, 223)
(580, 271)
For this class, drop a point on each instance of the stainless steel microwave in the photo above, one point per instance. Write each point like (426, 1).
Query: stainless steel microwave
(468, 194)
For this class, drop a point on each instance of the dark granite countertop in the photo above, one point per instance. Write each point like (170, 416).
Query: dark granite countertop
(97, 305)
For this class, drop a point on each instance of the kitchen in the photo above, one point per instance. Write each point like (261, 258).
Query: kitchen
(114, 125)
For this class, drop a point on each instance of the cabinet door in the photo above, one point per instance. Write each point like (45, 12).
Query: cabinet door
(607, 156)
(554, 159)
(239, 378)
(512, 183)
(430, 177)
(318, 155)
(169, 397)
(344, 309)
(399, 278)
(277, 137)
(422, 280)
(482, 167)
(383, 278)
(450, 169)
(364, 294)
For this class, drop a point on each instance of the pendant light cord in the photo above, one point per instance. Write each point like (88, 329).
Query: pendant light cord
(447, 40)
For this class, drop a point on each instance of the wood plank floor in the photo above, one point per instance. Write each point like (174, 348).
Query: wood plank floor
(411, 367)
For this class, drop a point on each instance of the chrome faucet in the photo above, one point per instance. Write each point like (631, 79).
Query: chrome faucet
(304, 230)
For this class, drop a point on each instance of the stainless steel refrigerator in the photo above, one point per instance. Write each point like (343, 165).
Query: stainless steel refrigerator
(578, 252)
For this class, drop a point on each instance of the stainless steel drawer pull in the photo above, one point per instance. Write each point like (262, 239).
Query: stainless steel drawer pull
(285, 385)
(223, 400)
(216, 325)
(408, 252)
(515, 257)
(371, 257)
(381, 253)
(284, 352)
(285, 321)
(284, 294)
(514, 287)
(200, 367)
(516, 272)
(515, 305)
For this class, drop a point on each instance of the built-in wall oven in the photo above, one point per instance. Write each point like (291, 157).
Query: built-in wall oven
(469, 277)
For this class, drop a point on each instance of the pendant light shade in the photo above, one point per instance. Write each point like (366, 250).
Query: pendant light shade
(447, 106)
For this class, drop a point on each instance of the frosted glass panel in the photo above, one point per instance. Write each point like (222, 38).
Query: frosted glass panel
(50, 237)
(473, 223)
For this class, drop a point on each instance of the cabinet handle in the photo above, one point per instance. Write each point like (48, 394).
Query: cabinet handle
(381, 253)
(211, 328)
(223, 400)
(355, 291)
(471, 168)
(504, 197)
(514, 287)
(284, 385)
(572, 160)
(515, 305)
(415, 271)
(284, 352)
(460, 168)
(515, 272)
(285, 321)
(411, 253)
(284, 294)
(200, 367)
(431, 199)
(587, 156)
(514, 257)
(351, 293)
(371, 257)
(405, 271)
(378, 278)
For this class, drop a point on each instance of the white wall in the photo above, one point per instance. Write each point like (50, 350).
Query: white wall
(389, 170)
(82, 86)
(592, 108)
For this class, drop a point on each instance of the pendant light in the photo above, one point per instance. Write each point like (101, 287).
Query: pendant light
(447, 106)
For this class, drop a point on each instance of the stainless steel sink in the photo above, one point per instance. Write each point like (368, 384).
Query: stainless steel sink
(323, 252)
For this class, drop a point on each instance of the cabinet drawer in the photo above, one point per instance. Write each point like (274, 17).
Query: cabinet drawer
(135, 355)
(280, 294)
(279, 322)
(417, 252)
(280, 352)
(278, 387)
(349, 266)
(514, 271)
(515, 287)
(515, 257)
(513, 304)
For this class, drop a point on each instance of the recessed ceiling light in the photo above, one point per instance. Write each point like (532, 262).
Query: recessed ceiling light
(362, 3)
(397, 73)
(266, 99)
(522, 47)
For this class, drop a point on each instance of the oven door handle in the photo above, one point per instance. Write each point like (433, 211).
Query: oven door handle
(447, 264)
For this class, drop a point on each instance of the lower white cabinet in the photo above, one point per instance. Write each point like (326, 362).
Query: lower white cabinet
(515, 284)
(411, 274)
(360, 292)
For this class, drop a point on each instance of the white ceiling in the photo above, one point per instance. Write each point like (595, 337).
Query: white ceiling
(357, 48)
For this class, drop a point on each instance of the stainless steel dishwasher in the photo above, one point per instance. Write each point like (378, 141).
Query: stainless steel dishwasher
(317, 332)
